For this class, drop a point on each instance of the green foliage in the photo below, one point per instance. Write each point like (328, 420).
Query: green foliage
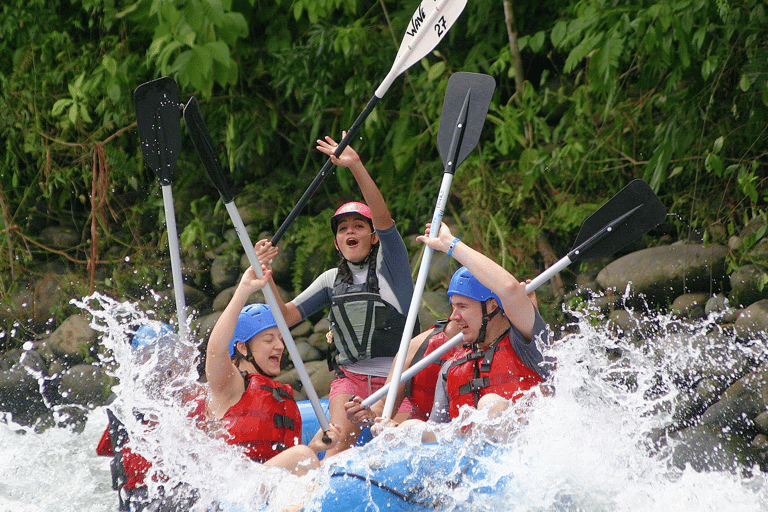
(673, 92)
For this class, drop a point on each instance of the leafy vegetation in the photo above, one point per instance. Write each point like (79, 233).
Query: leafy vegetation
(674, 92)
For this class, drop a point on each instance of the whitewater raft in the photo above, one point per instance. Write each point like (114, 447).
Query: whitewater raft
(413, 477)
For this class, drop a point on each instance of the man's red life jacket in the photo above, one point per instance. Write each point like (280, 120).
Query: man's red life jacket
(498, 369)
(422, 385)
(266, 420)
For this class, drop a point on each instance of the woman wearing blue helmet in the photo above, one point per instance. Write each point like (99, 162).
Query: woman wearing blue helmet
(243, 356)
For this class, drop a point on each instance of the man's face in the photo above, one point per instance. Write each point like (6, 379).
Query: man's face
(468, 316)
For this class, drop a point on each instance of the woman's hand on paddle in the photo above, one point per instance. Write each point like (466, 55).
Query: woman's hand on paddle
(441, 242)
(265, 252)
(358, 414)
(317, 444)
(253, 283)
(348, 157)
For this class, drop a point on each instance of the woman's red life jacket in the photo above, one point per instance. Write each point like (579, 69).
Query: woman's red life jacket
(497, 369)
(266, 420)
(422, 385)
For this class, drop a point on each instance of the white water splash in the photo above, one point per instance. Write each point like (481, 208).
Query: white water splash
(585, 449)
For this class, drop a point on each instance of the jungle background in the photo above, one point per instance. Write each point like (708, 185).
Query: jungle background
(590, 95)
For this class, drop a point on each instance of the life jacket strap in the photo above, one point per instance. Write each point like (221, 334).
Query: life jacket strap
(474, 385)
(283, 421)
(278, 394)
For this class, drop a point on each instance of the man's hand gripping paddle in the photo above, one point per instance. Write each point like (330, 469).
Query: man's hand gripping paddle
(428, 26)
(465, 107)
(205, 149)
(158, 117)
(627, 216)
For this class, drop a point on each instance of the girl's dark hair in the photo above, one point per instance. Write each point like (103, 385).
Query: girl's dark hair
(373, 282)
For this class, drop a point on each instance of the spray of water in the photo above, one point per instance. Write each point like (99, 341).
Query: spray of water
(599, 444)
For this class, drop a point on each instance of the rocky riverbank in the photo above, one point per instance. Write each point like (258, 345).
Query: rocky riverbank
(719, 319)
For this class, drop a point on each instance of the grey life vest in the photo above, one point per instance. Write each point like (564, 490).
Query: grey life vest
(363, 324)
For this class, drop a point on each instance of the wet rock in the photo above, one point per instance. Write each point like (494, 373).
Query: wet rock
(85, 384)
(302, 329)
(224, 271)
(72, 339)
(761, 422)
(21, 386)
(668, 271)
(319, 375)
(690, 305)
(60, 237)
(748, 284)
(707, 448)
(48, 294)
(734, 413)
(752, 322)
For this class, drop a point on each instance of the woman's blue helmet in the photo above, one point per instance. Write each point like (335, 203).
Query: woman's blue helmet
(464, 283)
(150, 332)
(253, 319)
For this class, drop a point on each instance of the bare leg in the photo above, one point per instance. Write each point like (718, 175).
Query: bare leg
(298, 459)
(494, 404)
(348, 431)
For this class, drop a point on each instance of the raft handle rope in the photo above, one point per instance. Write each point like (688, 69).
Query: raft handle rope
(404, 497)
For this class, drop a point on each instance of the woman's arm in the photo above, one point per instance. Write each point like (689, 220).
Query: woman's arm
(224, 380)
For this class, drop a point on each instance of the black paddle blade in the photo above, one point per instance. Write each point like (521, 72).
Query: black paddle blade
(627, 216)
(159, 120)
(201, 138)
(465, 106)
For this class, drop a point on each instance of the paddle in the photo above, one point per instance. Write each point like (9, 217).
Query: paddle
(465, 107)
(428, 26)
(628, 215)
(204, 145)
(158, 118)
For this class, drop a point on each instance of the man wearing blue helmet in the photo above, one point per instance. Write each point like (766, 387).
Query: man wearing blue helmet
(243, 356)
(499, 323)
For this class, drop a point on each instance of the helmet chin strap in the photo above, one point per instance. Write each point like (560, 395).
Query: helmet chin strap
(484, 326)
(249, 357)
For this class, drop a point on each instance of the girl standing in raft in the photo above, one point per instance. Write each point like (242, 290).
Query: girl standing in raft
(243, 357)
(369, 294)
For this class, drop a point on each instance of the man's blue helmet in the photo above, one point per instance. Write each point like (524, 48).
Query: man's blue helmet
(464, 283)
(150, 332)
(253, 319)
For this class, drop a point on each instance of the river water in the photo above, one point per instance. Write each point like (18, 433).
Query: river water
(587, 443)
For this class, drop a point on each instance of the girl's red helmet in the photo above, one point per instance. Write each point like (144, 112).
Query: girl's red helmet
(349, 208)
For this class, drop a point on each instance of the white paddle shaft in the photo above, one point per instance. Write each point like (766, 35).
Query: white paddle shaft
(277, 313)
(173, 245)
(418, 291)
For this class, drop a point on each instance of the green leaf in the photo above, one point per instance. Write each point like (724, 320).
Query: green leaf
(744, 83)
(72, 113)
(537, 41)
(109, 64)
(60, 105)
(436, 71)
(714, 164)
(558, 33)
(219, 51)
(718, 145)
(710, 66)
